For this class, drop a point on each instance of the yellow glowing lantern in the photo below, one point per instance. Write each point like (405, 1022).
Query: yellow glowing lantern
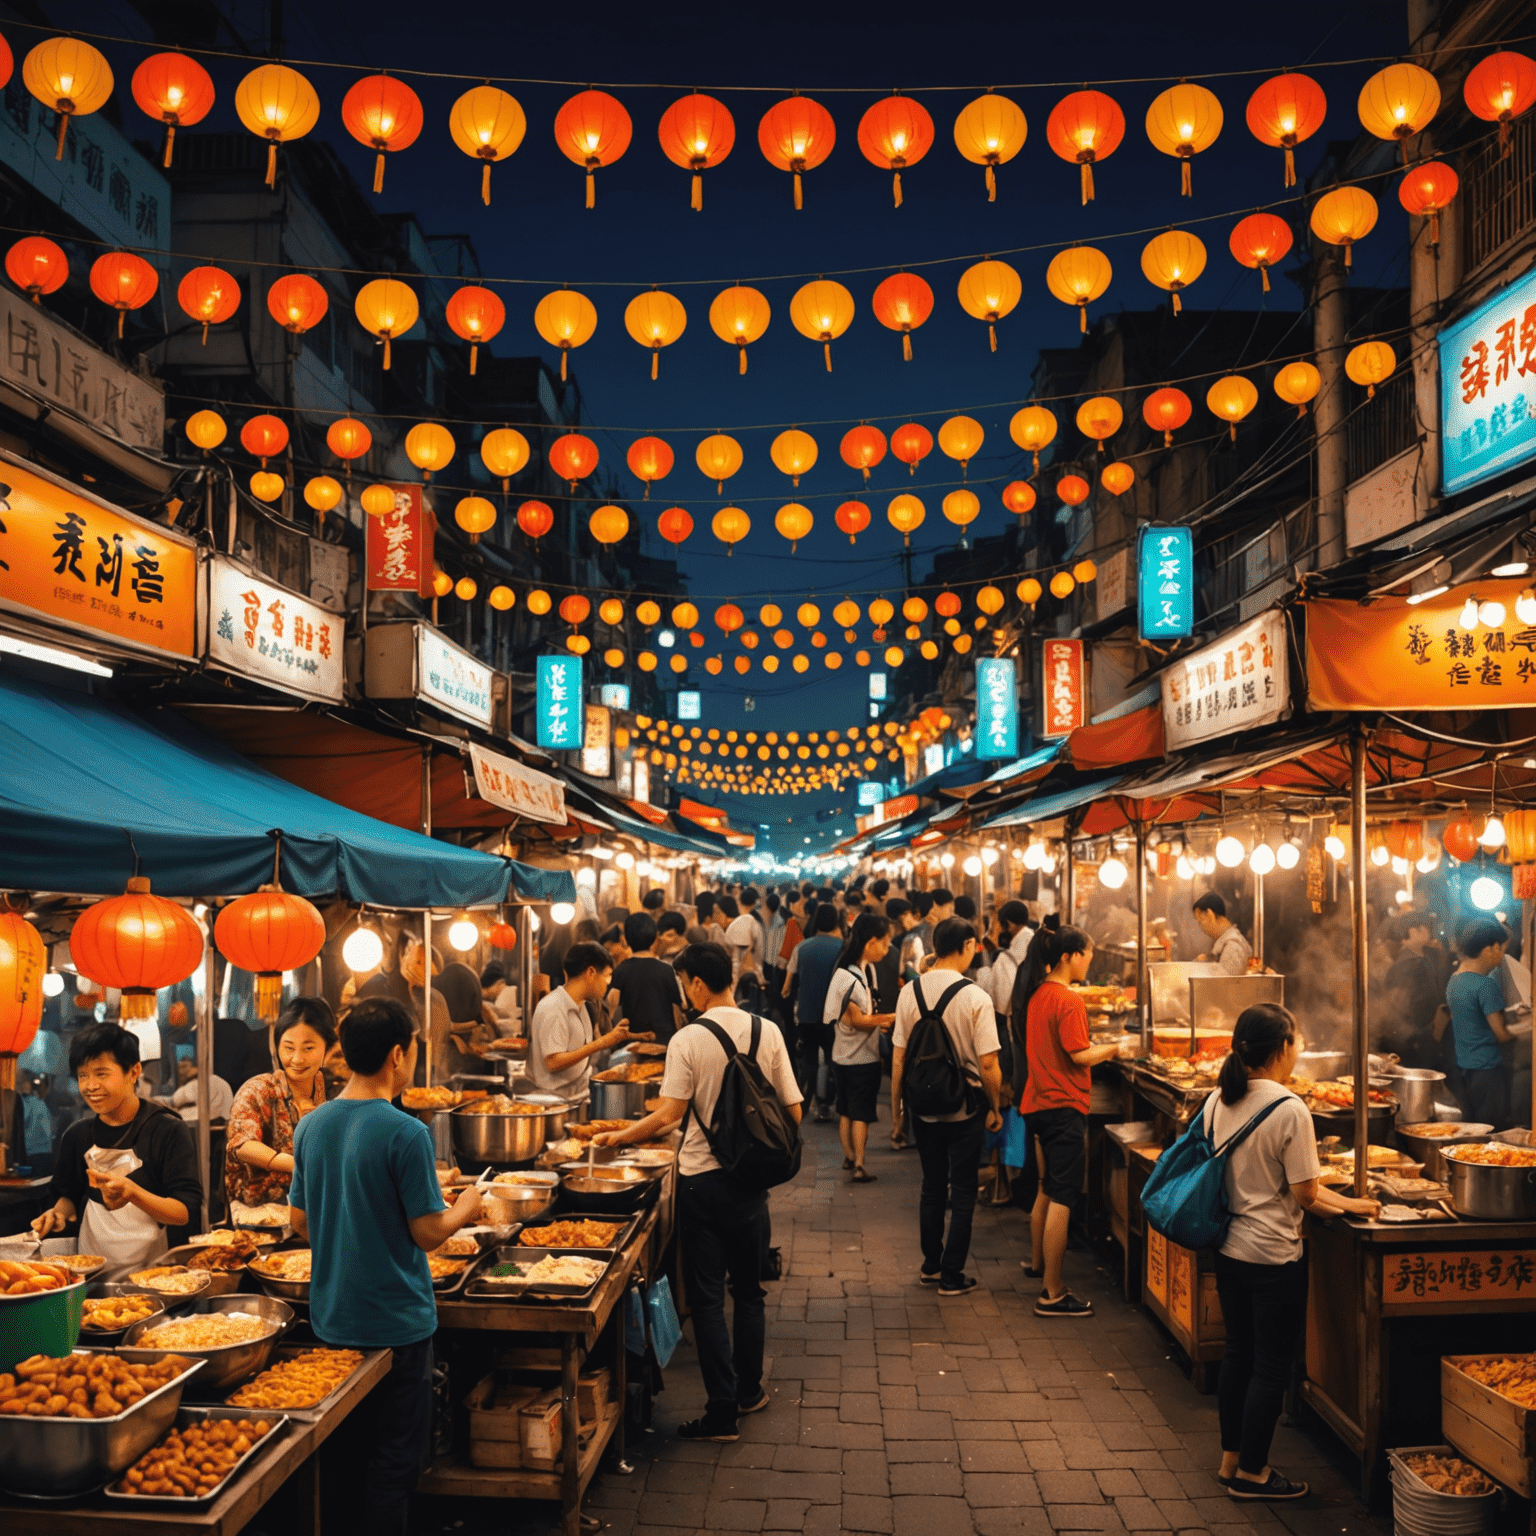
(502, 598)
(738, 317)
(928, 650)
(378, 500)
(655, 320)
(565, 319)
(608, 524)
(429, 446)
(905, 514)
(1033, 428)
(442, 583)
(1172, 261)
(1371, 363)
(1398, 101)
(822, 310)
(730, 525)
(914, 610)
(1342, 216)
(960, 438)
(1100, 418)
(475, 515)
(539, 602)
(894, 656)
(69, 77)
(718, 458)
(1232, 398)
(990, 131)
(488, 125)
(961, 507)
(648, 612)
(1084, 571)
(832, 660)
(386, 308)
(1029, 591)
(990, 600)
(1182, 121)
(277, 104)
(1117, 478)
(793, 522)
(882, 611)
(989, 291)
(266, 486)
(464, 589)
(647, 661)
(1079, 275)
(846, 613)
(793, 453)
(678, 663)
(322, 494)
(206, 430)
(505, 453)
(1297, 383)
(808, 615)
(611, 611)
(613, 657)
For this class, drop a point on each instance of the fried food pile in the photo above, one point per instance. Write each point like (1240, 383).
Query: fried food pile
(109, 1313)
(173, 1279)
(1494, 1154)
(286, 1266)
(1513, 1376)
(571, 1234)
(300, 1382)
(212, 1331)
(1450, 1474)
(82, 1386)
(190, 1463)
(19, 1279)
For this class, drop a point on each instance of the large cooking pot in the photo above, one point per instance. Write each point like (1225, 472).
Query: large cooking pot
(620, 1101)
(1415, 1088)
(1491, 1194)
(1340, 1123)
(496, 1138)
(1321, 1066)
(1427, 1149)
(558, 1112)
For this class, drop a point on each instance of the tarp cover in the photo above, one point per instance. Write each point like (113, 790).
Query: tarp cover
(79, 776)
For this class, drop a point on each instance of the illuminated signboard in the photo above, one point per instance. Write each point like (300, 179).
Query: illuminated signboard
(687, 704)
(1065, 687)
(1165, 583)
(871, 792)
(877, 685)
(614, 696)
(561, 712)
(997, 707)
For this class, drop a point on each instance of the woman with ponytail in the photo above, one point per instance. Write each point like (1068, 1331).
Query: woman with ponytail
(1059, 1058)
(850, 1009)
(1271, 1177)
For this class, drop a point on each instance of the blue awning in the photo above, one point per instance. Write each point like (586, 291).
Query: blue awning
(85, 786)
(1049, 807)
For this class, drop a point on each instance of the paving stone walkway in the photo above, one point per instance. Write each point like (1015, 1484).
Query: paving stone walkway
(899, 1413)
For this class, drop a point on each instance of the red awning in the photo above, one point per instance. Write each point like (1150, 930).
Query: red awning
(1112, 743)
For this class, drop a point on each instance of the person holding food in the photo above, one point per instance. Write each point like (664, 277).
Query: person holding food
(561, 1042)
(258, 1157)
(365, 1195)
(129, 1170)
(850, 1011)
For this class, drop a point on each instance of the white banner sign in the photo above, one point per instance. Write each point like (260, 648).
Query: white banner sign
(451, 678)
(1240, 682)
(507, 783)
(597, 749)
(273, 635)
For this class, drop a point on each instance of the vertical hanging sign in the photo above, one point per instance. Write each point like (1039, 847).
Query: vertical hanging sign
(1165, 583)
(997, 708)
(597, 749)
(1065, 687)
(561, 706)
(400, 545)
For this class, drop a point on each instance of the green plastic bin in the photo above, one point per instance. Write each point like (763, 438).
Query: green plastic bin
(45, 1324)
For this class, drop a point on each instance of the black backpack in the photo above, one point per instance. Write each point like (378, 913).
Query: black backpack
(753, 1136)
(932, 1082)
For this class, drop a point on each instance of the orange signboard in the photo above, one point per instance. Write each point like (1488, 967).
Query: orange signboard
(1466, 649)
(1454, 1279)
(69, 559)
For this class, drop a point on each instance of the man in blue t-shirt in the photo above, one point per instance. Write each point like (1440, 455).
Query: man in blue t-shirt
(366, 1196)
(813, 962)
(1474, 1000)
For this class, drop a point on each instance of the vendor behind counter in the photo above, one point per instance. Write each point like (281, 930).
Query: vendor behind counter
(129, 1171)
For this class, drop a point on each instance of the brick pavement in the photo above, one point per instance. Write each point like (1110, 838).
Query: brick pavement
(898, 1413)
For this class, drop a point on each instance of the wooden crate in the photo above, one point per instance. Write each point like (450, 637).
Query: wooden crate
(592, 1392)
(495, 1422)
(1485, 1426)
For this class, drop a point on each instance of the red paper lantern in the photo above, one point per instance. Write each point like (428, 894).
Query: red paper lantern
(575, 609)
(649, 459)
(137, 942)
(348, 439)
(674, 525)
(37, 266)
(1500, 88)
(23, 963)
(1460, 840)
(592, 130)
(174, 90)
(1428, 190)
(1073, 490)
(1405, 840)
(535, 519)
(269, 932)
(297, 302)
(1085, 128)
(475, 315)
(501, 935)
(1165, 411)
(912, 444)
(796, 135)
(1019, 496)
(1284, 111)
(862, 448)
(697, 132)
(124, 281)
(729, 617)
(264, 437)
(1259, 241)
(947, 604)
(902, 303)
(573, 457)
(208, 295)
(852, 517)
(383, 113)
(894, 133)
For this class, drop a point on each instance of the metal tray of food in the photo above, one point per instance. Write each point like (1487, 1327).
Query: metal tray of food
(89, 1335)
(222, 1282)
(58, 1458)
(450, 1285)
(289, 1290)
(185, 1417)
(173, 1298)
(227, 1364)
(532, 1233)
(263, 1237)
(482, 1289)
(316, 1410)
(73, 1263)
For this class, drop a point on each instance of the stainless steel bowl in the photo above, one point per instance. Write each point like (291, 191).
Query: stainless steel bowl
(558, 1112)
(1321, 1066)
(650, 1160)
(1415, 1088)
(1426, 1149)
(292, 1290)
(102, 1338)
(505, 1204)
(620, 1101)
(616, 1194)
(227, 1364)
(172, 1298)
(479, 1138)
(220, 1282)
(1489, 1193)
(64, 1456)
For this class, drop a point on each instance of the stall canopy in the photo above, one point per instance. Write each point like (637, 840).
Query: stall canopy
(88, 790)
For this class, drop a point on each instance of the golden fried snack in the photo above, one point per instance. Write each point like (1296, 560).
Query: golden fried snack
(570, 1234)
(1513, 1376)
(108, 1313)
(211, 1332)
(19, 1279)
(300, 1382)
(1450, 1474)
(82, 1386)
(190, 1463)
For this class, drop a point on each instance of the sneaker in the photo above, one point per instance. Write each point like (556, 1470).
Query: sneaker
(1065, 1305)
(1034, 1274)
(924, 1278)
(958, 1287)
(757, 1407)
(1273, 1487)
(720, 1430)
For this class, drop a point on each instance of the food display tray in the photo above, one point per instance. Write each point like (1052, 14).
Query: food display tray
(184, 1418)
(625, 1224)
(481, 1290)
(300, 1415)
(109, 1336)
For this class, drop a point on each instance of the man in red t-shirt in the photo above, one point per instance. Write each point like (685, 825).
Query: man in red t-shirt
(1055, 1103)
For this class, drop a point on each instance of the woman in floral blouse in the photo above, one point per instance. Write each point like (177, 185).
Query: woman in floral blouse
(258, 1162)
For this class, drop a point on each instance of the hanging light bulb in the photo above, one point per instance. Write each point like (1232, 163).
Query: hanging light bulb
(947, 860)
(1426, 865)
(1184, 869)
(1491, 614)
(533, 922)
(1399, 866)
(53, 984)
(1017, 852)
(1033, 855)
(989, 856)
(1525, 606)
(1229, 852)
(1492, 835)
(586, 877)
(1334, 846)
(463, 935)
(972, 866)
(363, 950)
(1288, 854)
(1402, 898)
(1047, 863)
(1380, 856)
(625, 859)
(1262, 860)
(1113, 873)
(1486, 893)
(1468, 617)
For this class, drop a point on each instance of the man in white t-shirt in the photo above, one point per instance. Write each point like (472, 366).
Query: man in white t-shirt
(949, 1146)
(723, 1227)
(744, 939)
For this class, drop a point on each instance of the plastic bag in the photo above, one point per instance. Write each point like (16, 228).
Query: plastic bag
(112, 1162)
(661, 1314)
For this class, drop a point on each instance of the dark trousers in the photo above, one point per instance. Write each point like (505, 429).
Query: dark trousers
(399, 1425)
(724, 1231)
(950, 1153)
(1264, 1306)
(815, 1043)
(1487, 1096)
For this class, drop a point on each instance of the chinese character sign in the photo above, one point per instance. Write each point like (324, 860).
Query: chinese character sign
(871, 792)
(597, 749)
(1453, 1279)
(688, 704)
(450, 678)
(1397, 656)
(400, 545)
(1488, 388)
(1165, 583)
(272, 634)
(1064, 687)
(1240, 682)
(561, 708)
(72, 561)
(615, 695)
(997, 708)
(508, 783)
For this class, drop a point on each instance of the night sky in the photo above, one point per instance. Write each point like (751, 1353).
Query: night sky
(538, 235)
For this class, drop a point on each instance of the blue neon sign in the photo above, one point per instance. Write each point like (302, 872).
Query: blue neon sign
(1165, 583)
(561, 706)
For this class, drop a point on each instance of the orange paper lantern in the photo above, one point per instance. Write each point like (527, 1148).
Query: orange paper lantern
(124, 281)
(348, 439)
(1460, 840)
(504, 452)
(793, 521)
(386, 308)
(501, 935)
(1117, 478)
(276, 104)
(894, 133)
(912, 444)
(488, 125)
(1259, 241)
(960, 439)
(23, 964)
(575, 609)
(903, 302)
(1166, 410)
(1398, 101)
(1079, 275)
(573, 457)
(718, 458)
(1085, 127)
(37, 266)
(796, 135)
(729, 617)
(1370, 364)
(592, 129)
(697, 132)
(475, 515)
(1428, 190)
(1342, 216)
(674, 525)
(475, 315)
(1073, 490)
(989, 132)
(385, 114)
(1183, 121)
(174, 90)
(1172, 261)
(862, 448)
(430, 447)
(535, 519)
(137, 942)
(565, 319)
(1034, 429)
(988, 291)
(264, 437)
(655, 320)
(297, 302)
(822, 310)
(852, 517)
(1232, 398)
(1284, 111)
(1019, 497)
(69, 77)
(1100, 418)
(269, 932)
(738, 316)
(1296, 383)
(1500, 88)
(209, 295)
(650, 460)
(905, 514)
